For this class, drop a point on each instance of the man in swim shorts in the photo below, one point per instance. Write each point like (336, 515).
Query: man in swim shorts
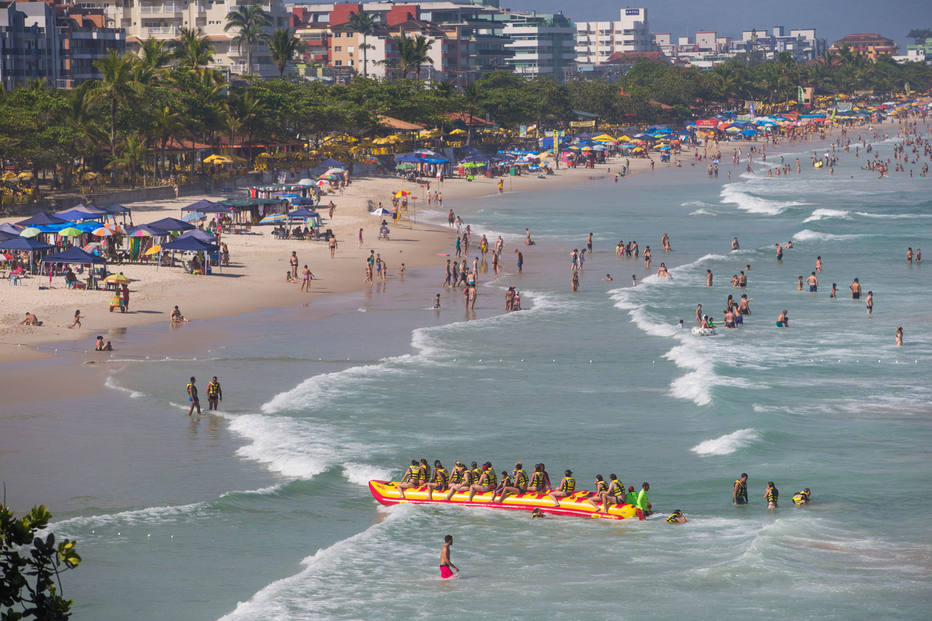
(813, 283)
(192, 397)
(445, 562)
(855, 288)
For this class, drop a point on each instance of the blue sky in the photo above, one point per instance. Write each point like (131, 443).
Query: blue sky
(832, 19)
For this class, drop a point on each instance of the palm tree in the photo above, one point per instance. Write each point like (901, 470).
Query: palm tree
(116, 85)
(363, 23)
(166, 123)
(193, 50)
(472, 99)
(131, 158)
(419, 53)
(250, 21)
(154, 56)
(282, 48)
(412, 53)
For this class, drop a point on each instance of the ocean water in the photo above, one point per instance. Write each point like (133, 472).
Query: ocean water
(263, 511)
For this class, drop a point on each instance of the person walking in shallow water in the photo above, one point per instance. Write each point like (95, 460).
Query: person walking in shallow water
(445, 562)
(192, 397)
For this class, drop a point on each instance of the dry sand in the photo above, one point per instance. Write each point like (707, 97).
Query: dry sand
(256, 276)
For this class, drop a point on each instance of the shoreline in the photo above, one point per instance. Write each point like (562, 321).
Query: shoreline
(254, 286)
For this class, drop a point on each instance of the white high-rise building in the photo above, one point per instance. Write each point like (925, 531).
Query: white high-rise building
(597, 41)
(162, 19)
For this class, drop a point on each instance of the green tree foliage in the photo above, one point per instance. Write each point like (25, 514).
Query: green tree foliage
(31, 566)
(919, 35)
(150, 111)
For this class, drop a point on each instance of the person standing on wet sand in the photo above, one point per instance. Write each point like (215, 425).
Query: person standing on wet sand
(192, 397)
(294, 264)
(445, 562)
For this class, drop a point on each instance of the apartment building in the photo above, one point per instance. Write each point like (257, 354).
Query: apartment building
(163, 19)
(870, 44)
(542, 45)
(597, 41)
(59, 43)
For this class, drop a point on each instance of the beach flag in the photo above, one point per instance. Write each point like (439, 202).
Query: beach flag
(800, 95)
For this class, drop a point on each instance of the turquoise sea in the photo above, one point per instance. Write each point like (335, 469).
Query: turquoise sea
(263, 512)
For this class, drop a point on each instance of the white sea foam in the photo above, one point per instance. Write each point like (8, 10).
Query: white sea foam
(810, 235)
(824, 214)
(695, 204)
(320, 389)
(293, 447)
(133, 394)
(726, 444)
(284, 598)
(733, 194)
(893, 216)
(702, 212)
(361, 474)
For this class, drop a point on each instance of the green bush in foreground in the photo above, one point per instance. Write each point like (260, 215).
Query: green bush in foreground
(31, 567)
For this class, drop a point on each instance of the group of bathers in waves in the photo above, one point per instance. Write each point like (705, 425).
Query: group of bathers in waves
(482, 479)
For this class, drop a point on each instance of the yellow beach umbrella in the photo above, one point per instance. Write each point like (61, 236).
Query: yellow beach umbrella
(120, 278)
(25, 175)
(153, 250)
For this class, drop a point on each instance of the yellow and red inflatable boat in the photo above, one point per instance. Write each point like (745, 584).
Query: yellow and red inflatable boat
(387, 493)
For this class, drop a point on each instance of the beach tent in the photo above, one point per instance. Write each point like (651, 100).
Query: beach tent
(205, 206)
(144, 230)
(115, 209)
(331, 163)
(204, 236)
(189, 244)
(81, 212)
(171, 225)
(4, 235)
(303, 212)
(24, 243)
(43, 217)
(74, 255)
(12, 229)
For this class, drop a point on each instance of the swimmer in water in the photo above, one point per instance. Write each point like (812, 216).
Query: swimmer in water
(899, 336)
(783, 321)
(608, 278)
(813, 283)
(772, 495)
(834, 293)
(676, 517)
(869, 301)
(802, 498)
(855, 288)
(437, 302)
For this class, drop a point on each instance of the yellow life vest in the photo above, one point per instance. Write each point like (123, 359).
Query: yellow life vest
(599, 486)
(616, 488)
(537, 480)
(506, 481)
(423, 474)
(414, 473)
(456, 477)
(520, 479)
(440, 474)
(213, 388)
(489, 477)
(568, 485)
(742, 490)
(672, 519)
(800, 498)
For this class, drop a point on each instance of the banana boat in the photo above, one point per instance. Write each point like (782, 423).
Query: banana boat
(387, 493)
